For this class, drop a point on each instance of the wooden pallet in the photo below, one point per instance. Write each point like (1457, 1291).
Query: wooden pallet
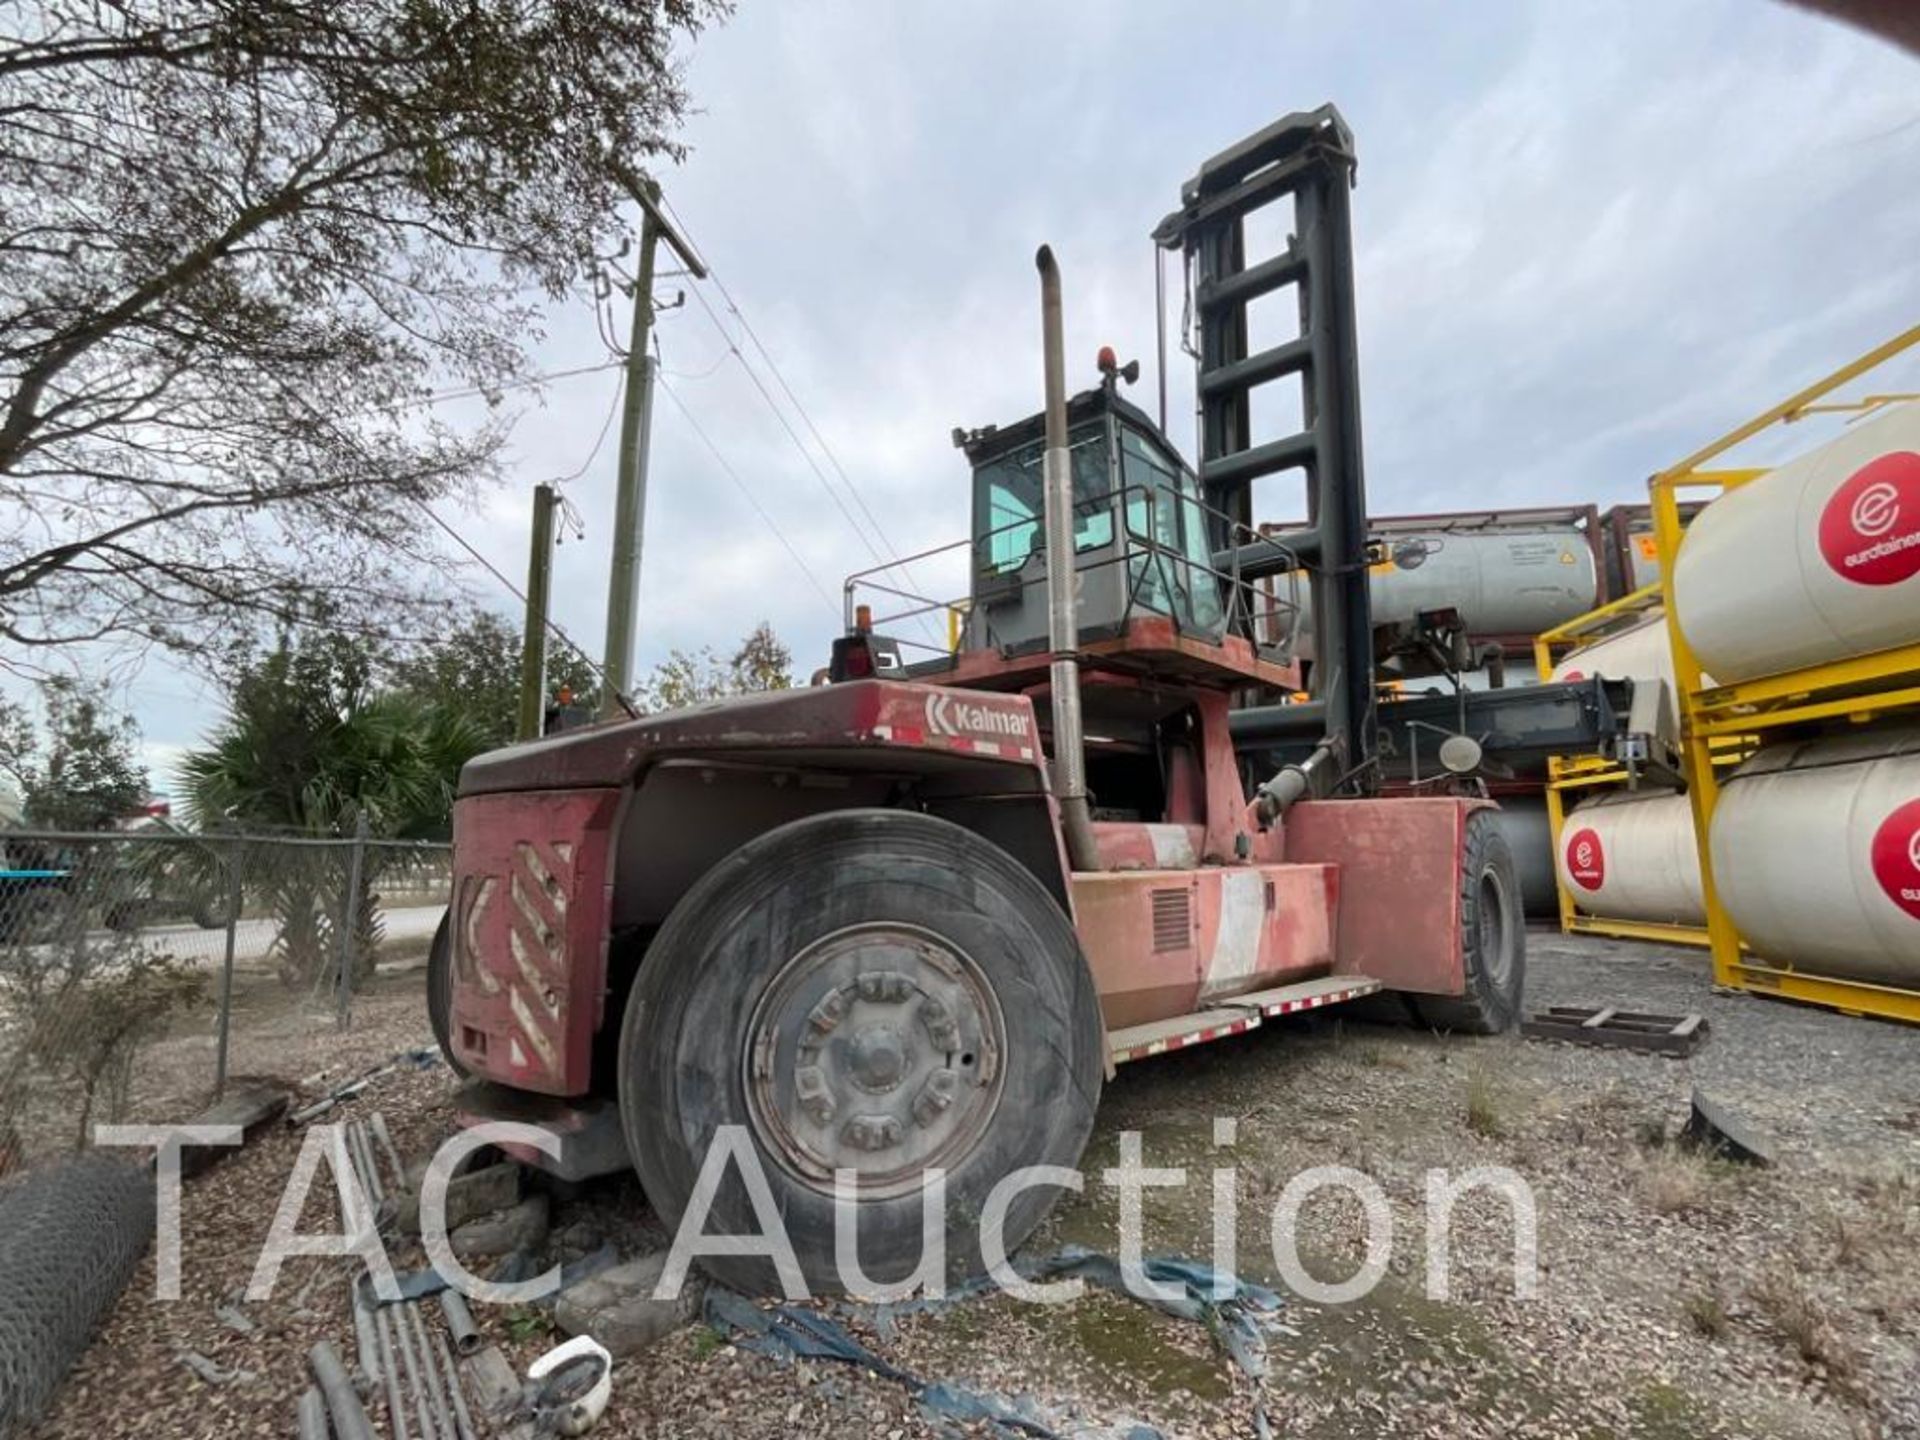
(1621, 1029)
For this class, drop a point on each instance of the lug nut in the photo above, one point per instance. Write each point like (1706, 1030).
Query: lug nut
(873, 1132)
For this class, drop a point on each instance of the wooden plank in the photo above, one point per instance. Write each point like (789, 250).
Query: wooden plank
(492, 1387)
(1598, 1018)
(251, 1104)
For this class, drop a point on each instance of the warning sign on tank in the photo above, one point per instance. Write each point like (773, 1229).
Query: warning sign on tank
(1870, 528)
(1896, 857)
(1586, 861)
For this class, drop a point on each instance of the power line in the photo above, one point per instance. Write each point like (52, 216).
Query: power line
(886, 552)
(746, 328)
(606, 424)
(553, 626)
(525, 382)
(747, 494)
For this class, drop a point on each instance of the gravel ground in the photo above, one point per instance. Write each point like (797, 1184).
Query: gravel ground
(1678, 1297)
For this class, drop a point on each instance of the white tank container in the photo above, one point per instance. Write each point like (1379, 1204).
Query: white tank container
(1644, 653)
(1816, 855)
(1817, 561)
(1632, 856)
(1503, 582)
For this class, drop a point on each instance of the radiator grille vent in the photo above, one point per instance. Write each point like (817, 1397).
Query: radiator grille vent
(1172, 920)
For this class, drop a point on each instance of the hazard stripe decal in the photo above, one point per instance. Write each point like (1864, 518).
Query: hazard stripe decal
(1254, 1010)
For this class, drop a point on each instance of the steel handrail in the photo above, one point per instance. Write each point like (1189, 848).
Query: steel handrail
(1126, 537)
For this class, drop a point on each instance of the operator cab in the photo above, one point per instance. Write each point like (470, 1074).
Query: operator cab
(1140, 532)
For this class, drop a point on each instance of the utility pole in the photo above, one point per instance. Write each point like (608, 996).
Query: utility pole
(636, 426)
(533, 645)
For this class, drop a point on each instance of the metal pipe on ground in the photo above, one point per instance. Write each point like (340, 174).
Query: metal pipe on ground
(466, 1334)
(396, 1412)
(1063, 622)
(362, 1146)
(384, 1138)
(343, 1405)
(363, 1336)
(462, 1414)
(430, 1367)
(398, 1325)
(311, 1416)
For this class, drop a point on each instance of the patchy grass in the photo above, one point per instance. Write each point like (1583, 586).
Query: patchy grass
(1852, 1240)
(1676, 1181)
(1486, 1107)
(1805, 1324)
(1372, 1055)
(705, 1341)
(524, 1323)
(1707, 1313)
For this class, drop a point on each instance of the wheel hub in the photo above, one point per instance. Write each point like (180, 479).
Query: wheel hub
(876, 1049)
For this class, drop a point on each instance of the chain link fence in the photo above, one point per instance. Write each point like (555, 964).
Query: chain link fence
(140, 970)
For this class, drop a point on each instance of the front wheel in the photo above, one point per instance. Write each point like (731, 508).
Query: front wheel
(1493, 937)
(878, 992)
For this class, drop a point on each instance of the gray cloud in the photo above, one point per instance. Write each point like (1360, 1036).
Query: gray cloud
(1590, 237)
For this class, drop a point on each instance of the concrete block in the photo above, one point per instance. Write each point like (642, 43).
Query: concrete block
(617, 1308)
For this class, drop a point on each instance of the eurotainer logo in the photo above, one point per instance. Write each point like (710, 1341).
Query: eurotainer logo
(1895, 856)
(1586, 861)
(1870, 528)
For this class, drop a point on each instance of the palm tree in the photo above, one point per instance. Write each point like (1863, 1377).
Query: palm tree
(310, 748)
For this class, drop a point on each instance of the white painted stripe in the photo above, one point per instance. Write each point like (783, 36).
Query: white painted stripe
(1236, 948)
(1172, 847)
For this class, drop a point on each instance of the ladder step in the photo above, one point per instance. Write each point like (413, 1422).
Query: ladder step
(1233, 1017)
(1286, 359)
(1157, 1037)
(1306, 995)
(1243, 467)
(1252, 282)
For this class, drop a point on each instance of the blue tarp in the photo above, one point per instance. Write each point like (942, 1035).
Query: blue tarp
(1239, 1315)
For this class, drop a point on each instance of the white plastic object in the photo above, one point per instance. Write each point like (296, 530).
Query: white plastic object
(583, 1414)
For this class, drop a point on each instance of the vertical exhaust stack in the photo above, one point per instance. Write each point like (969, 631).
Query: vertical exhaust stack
(1063, 622)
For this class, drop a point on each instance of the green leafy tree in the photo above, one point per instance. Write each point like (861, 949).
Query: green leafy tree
(243, 243)
(78, 768)
(310, 745)
(474, 669)
(692, 677)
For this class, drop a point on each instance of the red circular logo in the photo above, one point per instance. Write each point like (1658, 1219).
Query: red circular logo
(1870, 528)
(1571, 676)
(1586, 861)
(1896, 857)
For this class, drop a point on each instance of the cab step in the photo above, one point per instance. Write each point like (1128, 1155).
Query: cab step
(1234, 1017)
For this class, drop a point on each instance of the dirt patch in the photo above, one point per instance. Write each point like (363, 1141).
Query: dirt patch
(1677, 1296)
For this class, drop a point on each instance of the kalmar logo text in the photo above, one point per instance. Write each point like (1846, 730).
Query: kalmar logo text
(948, 716)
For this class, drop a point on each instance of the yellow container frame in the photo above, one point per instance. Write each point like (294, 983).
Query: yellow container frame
(1715, 720)
(1569, 773)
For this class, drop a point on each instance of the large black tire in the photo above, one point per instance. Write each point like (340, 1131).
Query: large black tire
(748, 924)
(1493, 938)
(440, 992)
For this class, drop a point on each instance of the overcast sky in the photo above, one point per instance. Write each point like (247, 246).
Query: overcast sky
(1590, 236)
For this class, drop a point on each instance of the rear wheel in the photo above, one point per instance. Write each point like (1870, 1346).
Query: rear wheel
(440, 991)
(1493, 937)
(873, 991)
